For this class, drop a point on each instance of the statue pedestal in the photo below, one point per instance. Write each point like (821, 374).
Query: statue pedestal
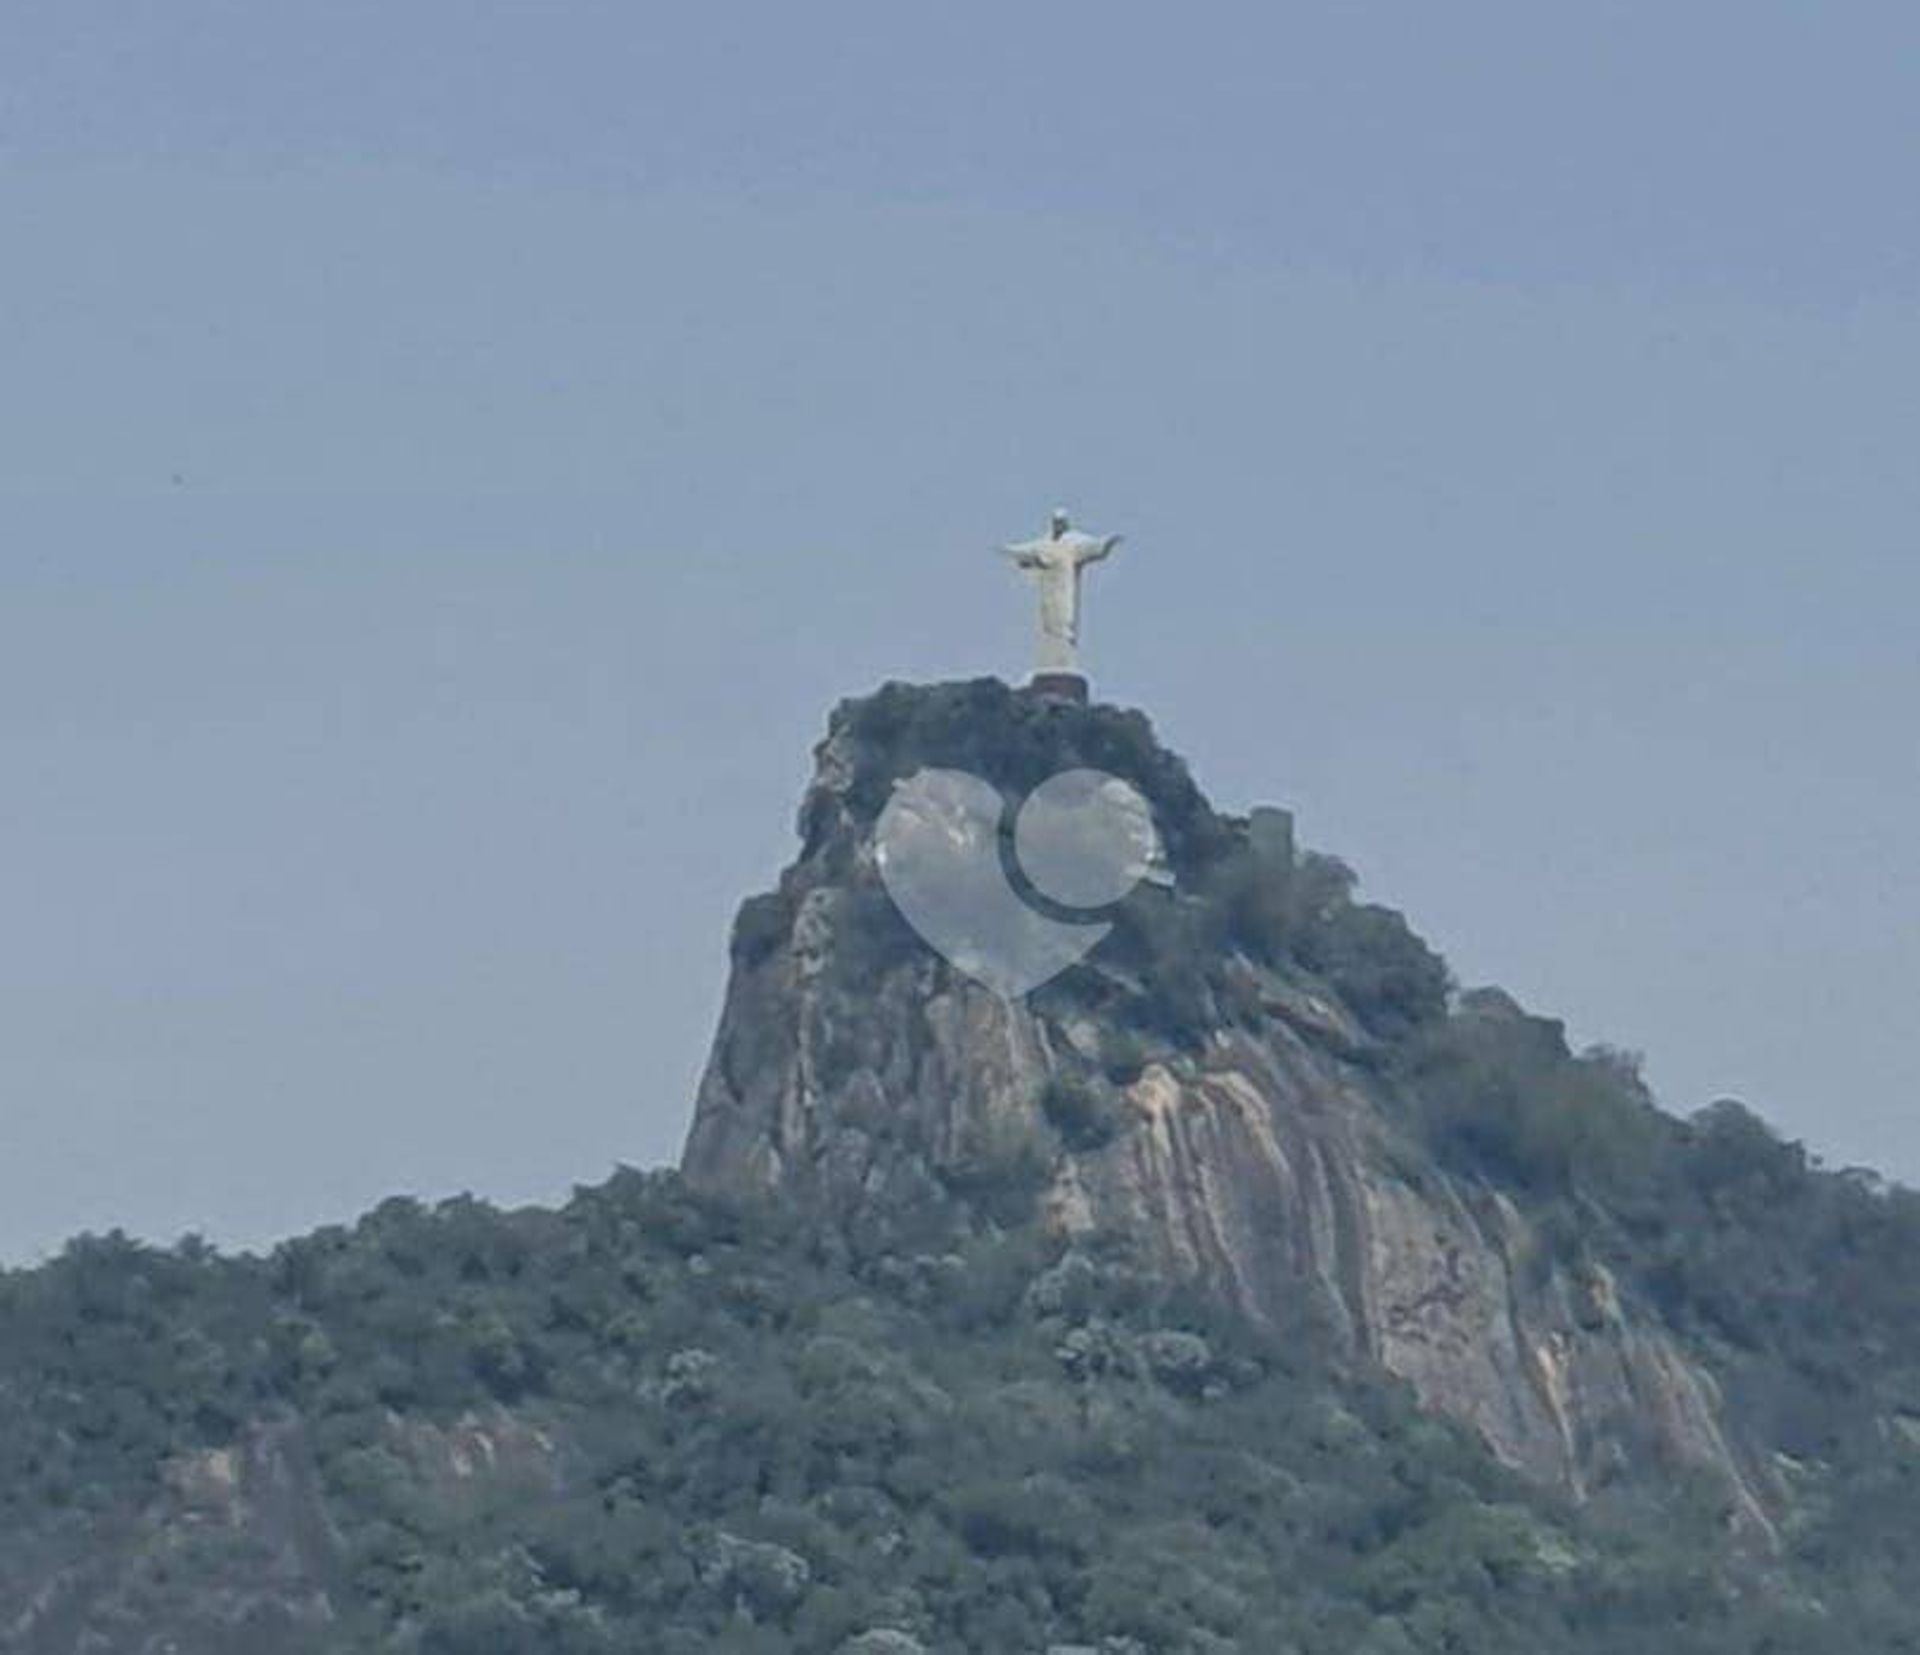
(1066, 686)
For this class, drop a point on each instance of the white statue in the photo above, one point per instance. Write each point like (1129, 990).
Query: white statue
(1055, 562)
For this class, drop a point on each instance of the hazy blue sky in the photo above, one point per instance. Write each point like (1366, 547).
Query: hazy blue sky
(451, 456)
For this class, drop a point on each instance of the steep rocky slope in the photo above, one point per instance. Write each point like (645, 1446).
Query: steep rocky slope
(1252, 1133)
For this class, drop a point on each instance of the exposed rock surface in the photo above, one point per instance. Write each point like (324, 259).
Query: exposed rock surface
(250, 1515)
(1249, 1137)
(239, 1555)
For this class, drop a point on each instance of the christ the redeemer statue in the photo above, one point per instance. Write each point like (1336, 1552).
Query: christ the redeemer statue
(1055, 561)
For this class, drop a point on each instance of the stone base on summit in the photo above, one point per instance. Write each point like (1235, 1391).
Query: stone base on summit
(1068, 686)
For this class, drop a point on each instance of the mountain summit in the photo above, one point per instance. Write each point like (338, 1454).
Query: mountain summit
(1233, 1086)
(1245, 1286)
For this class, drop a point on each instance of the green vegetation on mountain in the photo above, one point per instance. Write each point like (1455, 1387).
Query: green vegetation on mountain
(695, 1428)
(935, 1419)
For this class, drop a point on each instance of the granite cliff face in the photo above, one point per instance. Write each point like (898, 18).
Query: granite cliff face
(1223, 1087)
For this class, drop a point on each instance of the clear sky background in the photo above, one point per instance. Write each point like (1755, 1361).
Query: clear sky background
(452, 456)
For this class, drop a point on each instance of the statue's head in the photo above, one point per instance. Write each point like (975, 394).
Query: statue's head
(1057, 525)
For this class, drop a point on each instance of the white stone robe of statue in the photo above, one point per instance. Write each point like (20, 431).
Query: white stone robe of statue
(1055, 561)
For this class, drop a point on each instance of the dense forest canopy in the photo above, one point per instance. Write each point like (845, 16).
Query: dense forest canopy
(700, 1428)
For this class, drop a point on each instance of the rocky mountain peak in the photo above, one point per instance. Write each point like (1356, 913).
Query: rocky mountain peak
(1237, 1086)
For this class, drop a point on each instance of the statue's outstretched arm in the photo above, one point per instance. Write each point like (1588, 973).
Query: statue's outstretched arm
(1103, 549)
(1020, 557)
